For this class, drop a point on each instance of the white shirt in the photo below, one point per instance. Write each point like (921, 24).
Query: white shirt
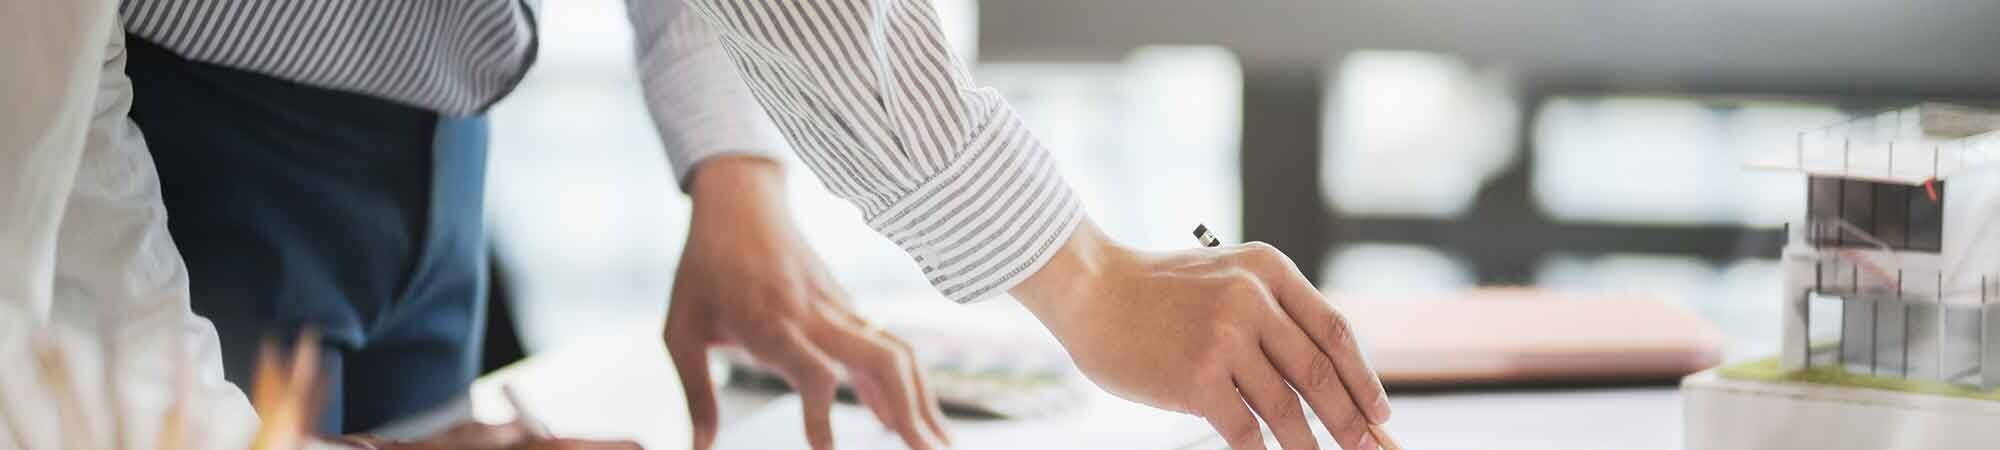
(94, 318)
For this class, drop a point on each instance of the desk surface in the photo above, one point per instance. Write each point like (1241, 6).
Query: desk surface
(617, 390)
(625, 387)
(1591, 418)
(1580, 419)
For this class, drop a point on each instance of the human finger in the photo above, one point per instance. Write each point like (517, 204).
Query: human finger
(842, 328)
(927, 405)
(1224, 411)
(1314, 376)
(1275, 402)
(1329, 330)
(926, 409)
(688, 347)
(881, 372)
(926, 400)
(811, 372)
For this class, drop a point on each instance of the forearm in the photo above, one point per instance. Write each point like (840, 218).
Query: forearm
(943, 168)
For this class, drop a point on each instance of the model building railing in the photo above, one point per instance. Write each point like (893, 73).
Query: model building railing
(1929, 141)
(1903, 308)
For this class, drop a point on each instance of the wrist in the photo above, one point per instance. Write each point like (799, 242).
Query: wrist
(1074, 275)
(733, 173)
(734, 185)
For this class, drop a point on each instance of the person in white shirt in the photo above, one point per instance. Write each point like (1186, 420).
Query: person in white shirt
(95, 330)
(98, 346)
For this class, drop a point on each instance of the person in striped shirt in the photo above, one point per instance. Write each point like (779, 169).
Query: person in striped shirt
(322, 162)
(872, 100)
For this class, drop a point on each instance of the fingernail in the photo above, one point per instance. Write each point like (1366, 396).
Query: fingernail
(1381, 415)
(1367, 442)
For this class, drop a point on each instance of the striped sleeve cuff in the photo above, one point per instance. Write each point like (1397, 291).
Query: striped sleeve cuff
(695, 126)
(991, 218)
(698, 100)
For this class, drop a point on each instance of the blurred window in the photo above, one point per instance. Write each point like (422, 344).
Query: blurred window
(1617, 195)
(1413, 134)
(1380, 271)
(1669, 160)
(1150, 143)
(586, 219)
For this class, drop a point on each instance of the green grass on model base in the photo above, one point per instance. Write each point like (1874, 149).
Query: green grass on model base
(1767, 370)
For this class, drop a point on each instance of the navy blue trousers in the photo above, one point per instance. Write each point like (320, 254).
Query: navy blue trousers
(297, 206)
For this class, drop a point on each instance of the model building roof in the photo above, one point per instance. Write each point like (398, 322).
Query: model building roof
(1907, 146)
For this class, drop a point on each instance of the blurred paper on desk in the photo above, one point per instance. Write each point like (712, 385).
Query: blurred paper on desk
(983, 371)
(1100, 421)
(604, 388)
(1523, 335)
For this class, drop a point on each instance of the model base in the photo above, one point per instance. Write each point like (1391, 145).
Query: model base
(1724, 413)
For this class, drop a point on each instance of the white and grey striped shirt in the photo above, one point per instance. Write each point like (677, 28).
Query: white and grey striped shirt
(451, 56)
(866, 91)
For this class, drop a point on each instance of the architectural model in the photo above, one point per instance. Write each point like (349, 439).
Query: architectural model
(1901, 241)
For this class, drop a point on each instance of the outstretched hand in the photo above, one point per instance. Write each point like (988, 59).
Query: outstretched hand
(747, 280)
(1213, 332)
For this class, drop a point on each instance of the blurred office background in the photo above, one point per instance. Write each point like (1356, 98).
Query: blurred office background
(1395, 149)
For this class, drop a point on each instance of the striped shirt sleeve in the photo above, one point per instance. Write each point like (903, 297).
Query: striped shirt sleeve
(875, 104)
(699, 102)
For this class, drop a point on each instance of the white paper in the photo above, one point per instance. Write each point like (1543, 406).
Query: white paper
(1100, 422)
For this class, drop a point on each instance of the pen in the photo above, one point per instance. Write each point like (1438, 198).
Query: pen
(1207, 239)
(521, 415)
(1202, 235)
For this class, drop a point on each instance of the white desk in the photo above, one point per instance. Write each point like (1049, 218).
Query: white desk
(1644, 418)
(627, 389)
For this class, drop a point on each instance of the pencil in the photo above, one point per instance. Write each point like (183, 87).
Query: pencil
(1382, 438)
(1207, 239)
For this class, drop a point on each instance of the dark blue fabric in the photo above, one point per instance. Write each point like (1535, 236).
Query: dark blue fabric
(297, 206)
